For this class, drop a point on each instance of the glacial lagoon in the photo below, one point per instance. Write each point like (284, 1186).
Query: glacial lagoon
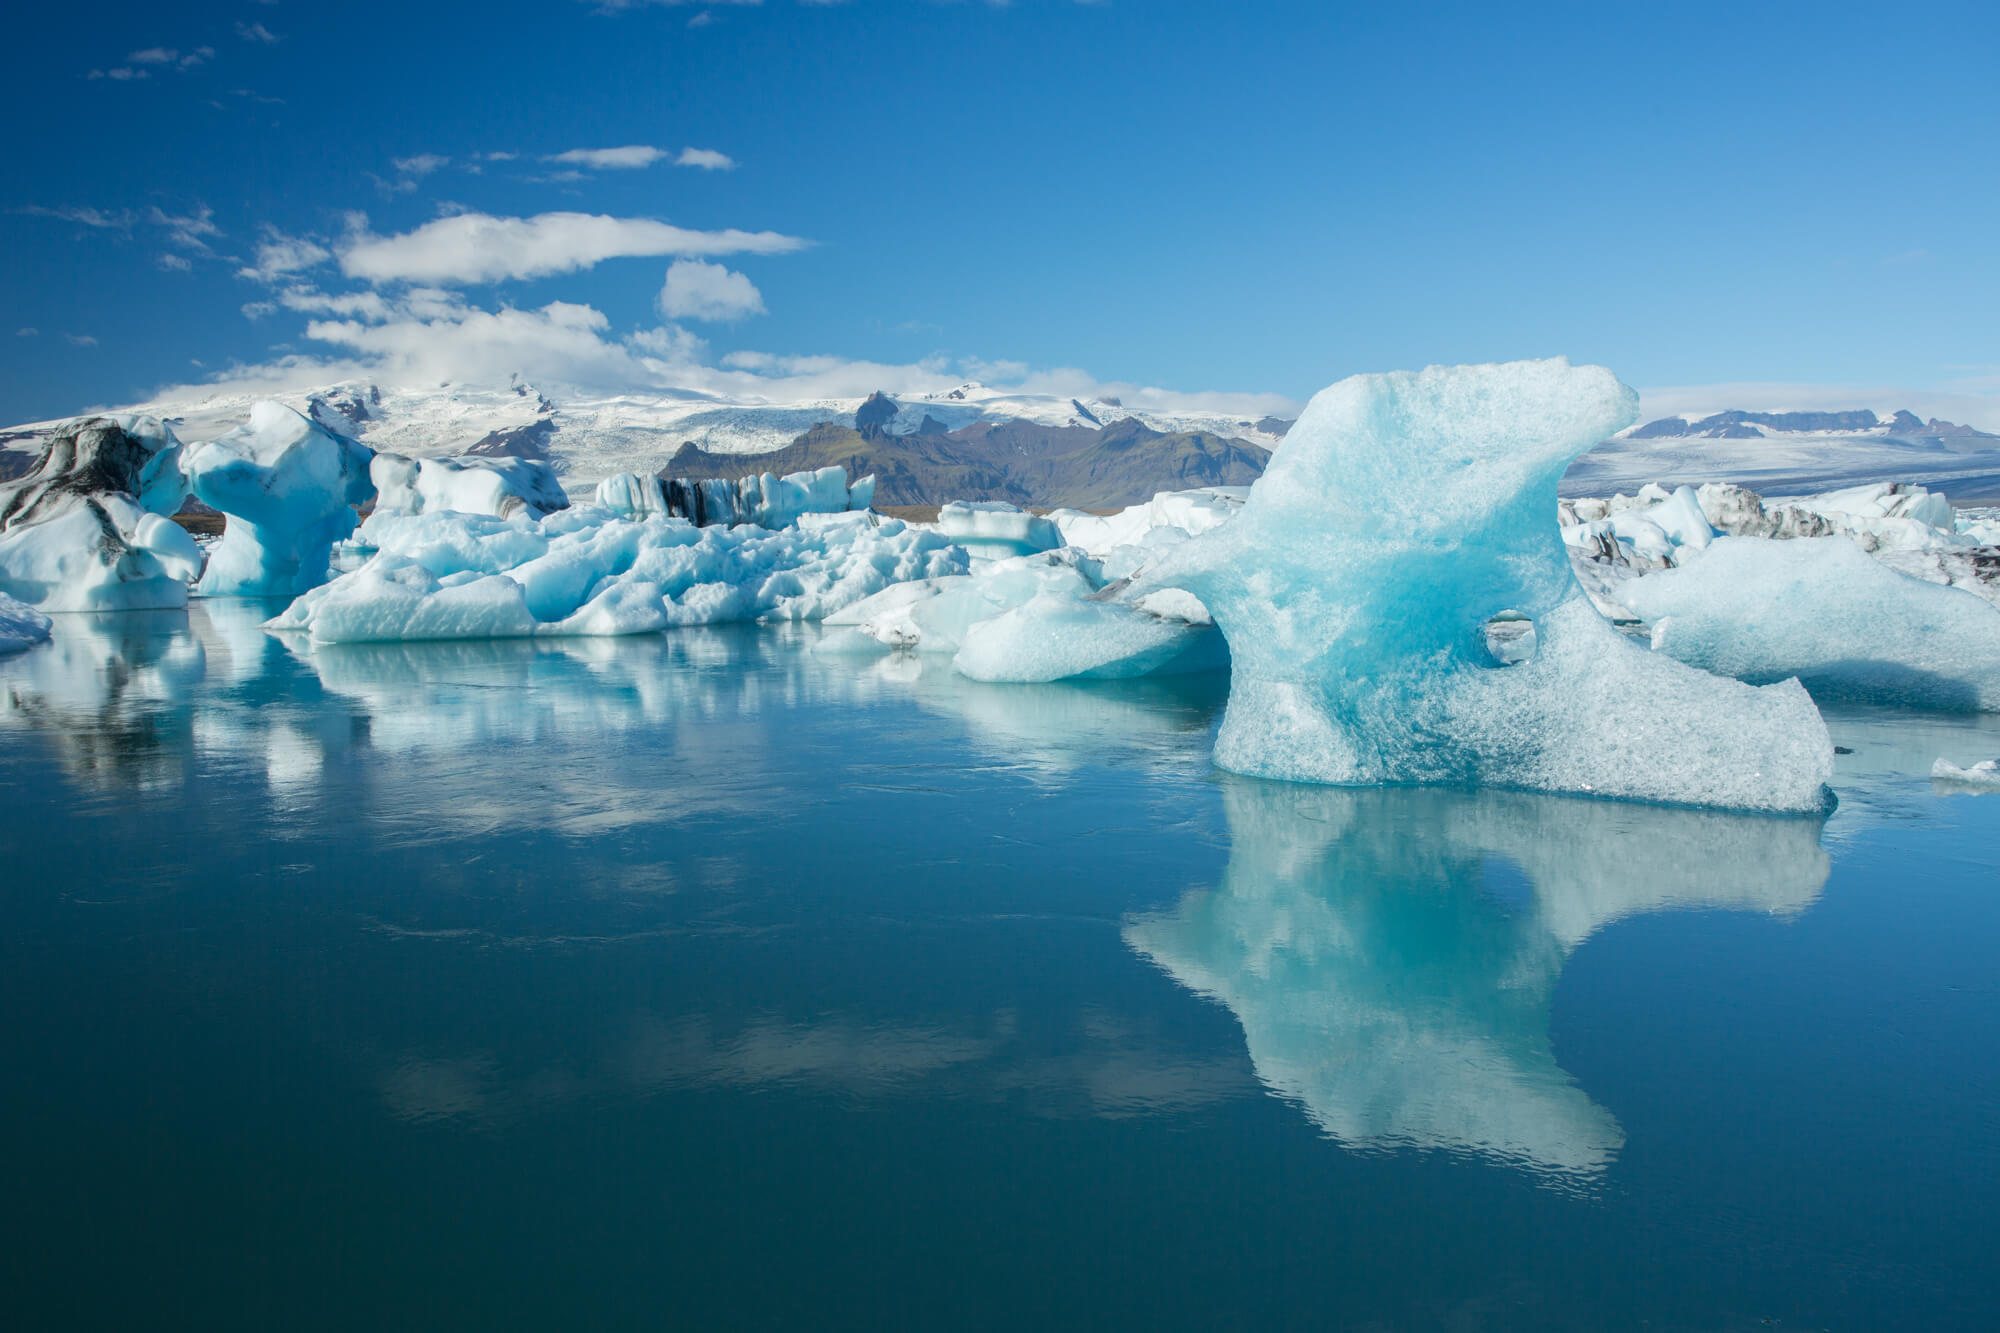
(698, 980)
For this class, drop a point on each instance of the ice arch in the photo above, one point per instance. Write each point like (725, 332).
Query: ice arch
(1400, 514)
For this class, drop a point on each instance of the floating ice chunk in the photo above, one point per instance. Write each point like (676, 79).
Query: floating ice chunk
(21, 626)
(586, 571)
(630, 495)
(1399, 515)
(393, 598)
(935, 615)
(1188, 512)
(289, 486)
(1985, 773)
(501, 487)
(1059, 636)
(765, 500)
(1823, 611)
(994, 529)
(83, 531)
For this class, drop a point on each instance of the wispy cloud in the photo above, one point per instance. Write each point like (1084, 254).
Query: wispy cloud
(257, 33)
(190, 231)
(279, 256)
(705, 158)
(121, 220)
(480, 248)
(80, 340)
(27, 333)
(610, 159)
(696, 289)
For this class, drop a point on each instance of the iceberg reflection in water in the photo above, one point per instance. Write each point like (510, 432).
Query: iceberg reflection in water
(1391, 954)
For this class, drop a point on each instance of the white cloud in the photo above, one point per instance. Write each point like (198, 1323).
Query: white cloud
(705, 158)
(279, 255)
(121, 73)
(255, 310)
(80, 339)
(257, 33)
(480, 248)
(696, 289)
(177, 263)
(611, 159)
(27, 333)
(156, 55)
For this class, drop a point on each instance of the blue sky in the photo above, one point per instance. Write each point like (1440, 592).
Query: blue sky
(1796, 203)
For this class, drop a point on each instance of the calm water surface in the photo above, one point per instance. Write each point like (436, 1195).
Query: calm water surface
(697, 981)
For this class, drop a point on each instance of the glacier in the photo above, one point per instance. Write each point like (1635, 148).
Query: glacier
(288, 486)
(1403, 512)
(84, 529)
(588, 570)
(1822, 610)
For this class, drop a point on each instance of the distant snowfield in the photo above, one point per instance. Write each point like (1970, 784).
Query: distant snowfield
(1786, 464)
(589, 437)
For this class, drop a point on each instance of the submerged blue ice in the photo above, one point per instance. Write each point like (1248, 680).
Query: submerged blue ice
(1404, 511)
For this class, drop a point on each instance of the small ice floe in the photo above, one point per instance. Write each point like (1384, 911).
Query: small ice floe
(1982, 776)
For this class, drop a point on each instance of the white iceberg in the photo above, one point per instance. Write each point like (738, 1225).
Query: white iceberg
(587, 571)
(1400, 515)
(21, 626)
(1822, 610)
(84, 529)
(994, 529)
(1032, 618)
(1188, 513)
(1985, 773)
(764, 500)
(501, 487)
(289, 487)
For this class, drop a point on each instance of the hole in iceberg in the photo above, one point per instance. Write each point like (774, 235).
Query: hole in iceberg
(1510, 637)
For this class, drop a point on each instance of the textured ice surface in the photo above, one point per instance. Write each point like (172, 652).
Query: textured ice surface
(82, 530)
(1029, 618)
(1400, 515)
(21, 626)
(1392, 954)
(501, 487)
(1186, 512)
(1985, 773)
(933, 616)
(764, 500)
(1060, 637)
(1822, 610)
(994, 529)
(288, 486)
(587, 571)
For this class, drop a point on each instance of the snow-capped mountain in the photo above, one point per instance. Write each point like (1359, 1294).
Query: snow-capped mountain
(589, 437)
